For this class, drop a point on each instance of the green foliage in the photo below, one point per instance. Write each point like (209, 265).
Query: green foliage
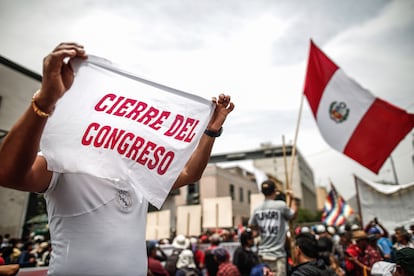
(305, 215)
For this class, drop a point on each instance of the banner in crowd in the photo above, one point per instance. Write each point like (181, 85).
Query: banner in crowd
(392, 205)
(217, 212)
(158, 225)
(351, 119)
(336, 210)
(113, 124)
(189, 220)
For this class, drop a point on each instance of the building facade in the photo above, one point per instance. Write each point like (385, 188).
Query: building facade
(234, 182)
(271, 160)
(17, 87)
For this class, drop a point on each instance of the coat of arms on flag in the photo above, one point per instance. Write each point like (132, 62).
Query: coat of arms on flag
(336, 210)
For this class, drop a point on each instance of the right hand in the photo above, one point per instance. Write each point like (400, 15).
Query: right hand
(57, 73)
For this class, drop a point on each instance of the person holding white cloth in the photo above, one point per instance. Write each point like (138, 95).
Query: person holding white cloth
(86, 218)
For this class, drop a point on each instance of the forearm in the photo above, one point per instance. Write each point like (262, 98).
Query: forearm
(20, 168)
(19, 149)
(198, 161)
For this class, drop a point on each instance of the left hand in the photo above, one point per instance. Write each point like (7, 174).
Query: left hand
(223, 107)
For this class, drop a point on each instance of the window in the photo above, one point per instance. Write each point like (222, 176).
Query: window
(193, 193)
(232, 191)
(241, 194)
(249, 193)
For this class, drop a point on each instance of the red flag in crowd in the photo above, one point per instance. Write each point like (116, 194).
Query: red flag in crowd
(350, 118)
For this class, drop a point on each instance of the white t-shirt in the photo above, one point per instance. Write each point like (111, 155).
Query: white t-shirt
(97, 226)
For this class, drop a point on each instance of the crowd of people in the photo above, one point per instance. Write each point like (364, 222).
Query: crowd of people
(16, 253)
(317, 250)
(267, 247)
(86, 211)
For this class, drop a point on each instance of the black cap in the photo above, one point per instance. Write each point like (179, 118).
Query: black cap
(268, 187)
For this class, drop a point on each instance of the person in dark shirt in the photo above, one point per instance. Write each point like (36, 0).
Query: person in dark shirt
(243, 257)
(306, 255)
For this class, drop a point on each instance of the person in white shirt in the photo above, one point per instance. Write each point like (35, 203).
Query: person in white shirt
(97, 225)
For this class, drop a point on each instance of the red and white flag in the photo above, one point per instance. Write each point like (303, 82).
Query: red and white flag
(350, 118)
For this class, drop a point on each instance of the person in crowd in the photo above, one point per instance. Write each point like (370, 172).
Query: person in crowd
(2, 261)
(355, 254)
(225, 267)
(180, 243)
(11, 253)
(403, 238)
(270, 220)
(412, 232)
(5, 240)
(372, 253)
(384, 244)
(197, 252)
(72, 222)
(343, 242)
(27, 258)
(404, 265)
(210, 262)
(155, 267)
(404, 260)
(326, 254)
(374, 227)
(354, 267)
(186, 265)
(306, 255)
(46, 254)
(262, 269)
(243, 257)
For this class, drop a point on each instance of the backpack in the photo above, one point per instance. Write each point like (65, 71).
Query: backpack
(171, 263)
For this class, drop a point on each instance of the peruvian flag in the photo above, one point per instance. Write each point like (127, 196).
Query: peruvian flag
(350, 118)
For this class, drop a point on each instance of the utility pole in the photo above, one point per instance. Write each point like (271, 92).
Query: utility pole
(394, 171)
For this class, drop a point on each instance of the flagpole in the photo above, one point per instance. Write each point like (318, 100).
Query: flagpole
(358, 201)
(288, 202)
(296, 137)
(394, 171)
(286, 186)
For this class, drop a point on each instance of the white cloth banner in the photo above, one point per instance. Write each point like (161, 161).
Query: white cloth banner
(112, 124)
(392, 205)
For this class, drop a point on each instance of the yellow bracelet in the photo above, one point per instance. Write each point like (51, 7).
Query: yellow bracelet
(37, 110)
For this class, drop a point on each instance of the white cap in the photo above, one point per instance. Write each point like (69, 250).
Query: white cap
(354, 227)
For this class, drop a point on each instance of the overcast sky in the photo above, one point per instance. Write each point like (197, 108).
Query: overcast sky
(255, 51)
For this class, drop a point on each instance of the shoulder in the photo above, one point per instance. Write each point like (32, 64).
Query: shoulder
(311, 269)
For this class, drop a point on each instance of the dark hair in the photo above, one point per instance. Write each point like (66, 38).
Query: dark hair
(308, 244)
(268, 187)
(245, 236)
(221, 254)
(150, 246)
